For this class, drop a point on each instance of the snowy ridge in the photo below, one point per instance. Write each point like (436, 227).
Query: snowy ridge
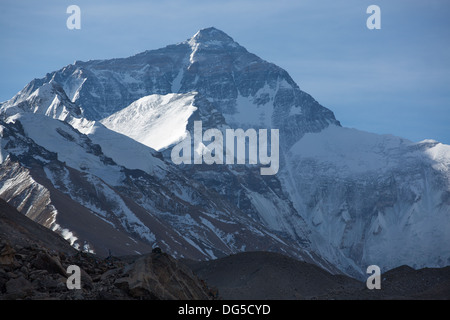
(49, 99)
(155, 121)
(71, 147)
(114, 144)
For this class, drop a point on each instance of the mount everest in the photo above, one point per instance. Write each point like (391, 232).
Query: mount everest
(85, 151)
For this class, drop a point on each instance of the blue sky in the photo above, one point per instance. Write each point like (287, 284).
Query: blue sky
(395, 80)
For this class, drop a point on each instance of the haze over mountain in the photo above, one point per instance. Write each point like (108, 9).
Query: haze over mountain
(85, 151)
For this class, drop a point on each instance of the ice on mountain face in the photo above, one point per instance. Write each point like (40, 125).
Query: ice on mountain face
(413, 233)
(376, 198)
(76, 81)
(210, 39)
(49, 99)
(126, 217)
(212, 36)
(70, 145)
(317, 217)
(119, 147)
(250, 114)
(155, 121)
(112, 144)
(176, 83)
(439, 153)
(66, 234)
(350, 150)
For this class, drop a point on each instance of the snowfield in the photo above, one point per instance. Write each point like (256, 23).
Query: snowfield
(155, 121)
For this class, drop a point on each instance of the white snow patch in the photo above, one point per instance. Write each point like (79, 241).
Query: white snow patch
(250, 114)
(61, 138)
(157, 121)
(119, 147)
(349, 150)
(65, 233)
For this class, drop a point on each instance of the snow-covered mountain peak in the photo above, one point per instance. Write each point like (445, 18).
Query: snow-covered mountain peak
(247, 90)
(212, 37)
(49, 99)
(210, 40)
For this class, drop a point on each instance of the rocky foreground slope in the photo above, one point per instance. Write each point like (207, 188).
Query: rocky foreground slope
(34, 261)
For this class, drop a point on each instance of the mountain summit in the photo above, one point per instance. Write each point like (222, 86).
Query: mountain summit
(212, 35)
(247, 90)
(77, 155)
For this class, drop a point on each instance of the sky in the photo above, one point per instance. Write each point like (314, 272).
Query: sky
(395, 80)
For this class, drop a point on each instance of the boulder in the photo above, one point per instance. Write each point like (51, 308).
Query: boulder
(7, 255)
(18, 288)
(44, 261)
(159, 276)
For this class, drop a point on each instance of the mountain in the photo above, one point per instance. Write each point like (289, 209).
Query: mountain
(100, 206)
(99, 135)
(247, 90)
